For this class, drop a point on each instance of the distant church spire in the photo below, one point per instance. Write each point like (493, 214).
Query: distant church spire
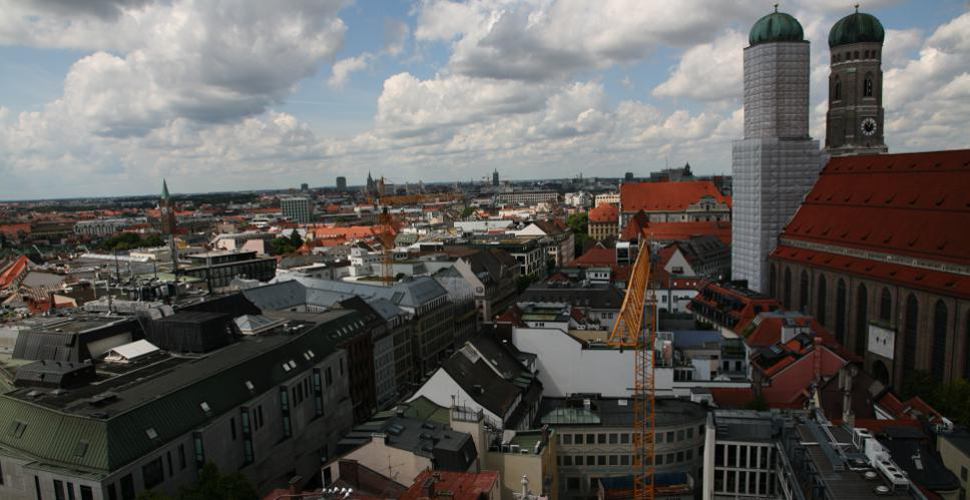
(164, 189)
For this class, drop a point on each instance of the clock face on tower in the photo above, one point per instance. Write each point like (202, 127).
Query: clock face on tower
(868, 126)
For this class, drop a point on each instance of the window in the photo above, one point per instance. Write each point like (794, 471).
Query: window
(70, 491)
(861, 320)
(772, 281)
(87, 493)
(659, 460)
(820, 303)
(867, 86)
(572, 484)
(112, 492)
(153, 473)
(579, 439)
(940, 316)
(803, 292)
(624, 438)
(837, 90)
(886, 306)
(670, 437)
(567, 460)
(841, 298)
(329, 376)
(567, 439)
(909, 332)
(181, 457)
(601, 438)
(601, 459)
(614, 438)
(58, 490)
(966, 348)
(614, 459)
(127, 488)
(786, 289)
(232, 427)
(168, 459)
(624, 459)
(680, 435)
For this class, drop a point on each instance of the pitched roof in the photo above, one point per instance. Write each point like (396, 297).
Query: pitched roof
(452, 485)
(666, 196)
(14, 271)
(605, 212)
(907, 204)
(685, 231)
(596, 257)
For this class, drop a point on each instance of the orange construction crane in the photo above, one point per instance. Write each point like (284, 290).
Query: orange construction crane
(386, 231)
(636, 328)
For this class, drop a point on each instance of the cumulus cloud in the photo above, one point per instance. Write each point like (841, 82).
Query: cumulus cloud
(707, 72)
(344, 67)
(536, 41)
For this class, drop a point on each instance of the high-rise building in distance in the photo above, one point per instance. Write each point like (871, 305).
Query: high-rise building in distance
(298, 209)
(342, 183)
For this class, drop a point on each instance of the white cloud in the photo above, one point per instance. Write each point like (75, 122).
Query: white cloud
(708, 72)
(344, 67)
(395, 36)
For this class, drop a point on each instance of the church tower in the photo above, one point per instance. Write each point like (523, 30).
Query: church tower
(854, 122)
(777, 162)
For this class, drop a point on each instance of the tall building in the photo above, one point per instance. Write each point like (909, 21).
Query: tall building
(304, 187)
(855, 117)
(298, 209)
(495, 178)
(776, 162)
(341, 183)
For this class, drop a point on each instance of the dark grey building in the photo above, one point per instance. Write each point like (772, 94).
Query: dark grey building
(152, 422)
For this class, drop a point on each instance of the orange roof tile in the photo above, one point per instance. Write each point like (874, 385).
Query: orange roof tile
(666, 196)
(605, 213)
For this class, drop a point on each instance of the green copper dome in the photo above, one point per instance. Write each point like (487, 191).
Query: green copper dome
(776, 27)
(855, 28)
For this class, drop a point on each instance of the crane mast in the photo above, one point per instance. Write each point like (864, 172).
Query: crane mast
(636, 329)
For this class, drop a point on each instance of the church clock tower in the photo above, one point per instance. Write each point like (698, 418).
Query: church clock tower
(854, 122)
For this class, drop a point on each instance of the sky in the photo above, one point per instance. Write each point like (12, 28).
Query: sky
(108, 97)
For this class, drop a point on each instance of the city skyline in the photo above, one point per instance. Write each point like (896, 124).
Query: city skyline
(431, 91)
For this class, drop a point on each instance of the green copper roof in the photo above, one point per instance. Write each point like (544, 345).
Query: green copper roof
(855, 28)
(164, 190)
(776, 27)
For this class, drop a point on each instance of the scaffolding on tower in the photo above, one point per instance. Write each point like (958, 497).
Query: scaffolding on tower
(636, 329)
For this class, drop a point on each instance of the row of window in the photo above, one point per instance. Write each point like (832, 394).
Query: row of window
(910, 326)
(86, 493)
(850, 55)
(625, 460)
(744, 456)
(624, 437)
(744, 482)
(153, 474)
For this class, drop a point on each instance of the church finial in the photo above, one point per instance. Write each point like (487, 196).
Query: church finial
(776, 7)
(856, 8)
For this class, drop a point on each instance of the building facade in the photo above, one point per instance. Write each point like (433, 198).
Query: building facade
(297, 209)
(776, 162)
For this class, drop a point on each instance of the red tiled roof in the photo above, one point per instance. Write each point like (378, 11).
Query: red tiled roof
(459, 485)
(605, 212)
(683, 231)
(13, 271)
(11, 230)
(911, 204)
(596, 257)
(732, 397)
(666, 196)
(941, 282)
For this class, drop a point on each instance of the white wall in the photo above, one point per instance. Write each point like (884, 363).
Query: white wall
(444, 391)
(565, 368)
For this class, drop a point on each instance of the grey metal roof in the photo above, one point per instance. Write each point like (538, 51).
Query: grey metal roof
(165, 396)
(411, 293)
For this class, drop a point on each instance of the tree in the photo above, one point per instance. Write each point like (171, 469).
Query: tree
(579, 224)
(467, 212)
(213, 485)
(295, 239)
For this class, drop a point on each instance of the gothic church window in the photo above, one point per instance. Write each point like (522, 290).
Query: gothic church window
(867, 86)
